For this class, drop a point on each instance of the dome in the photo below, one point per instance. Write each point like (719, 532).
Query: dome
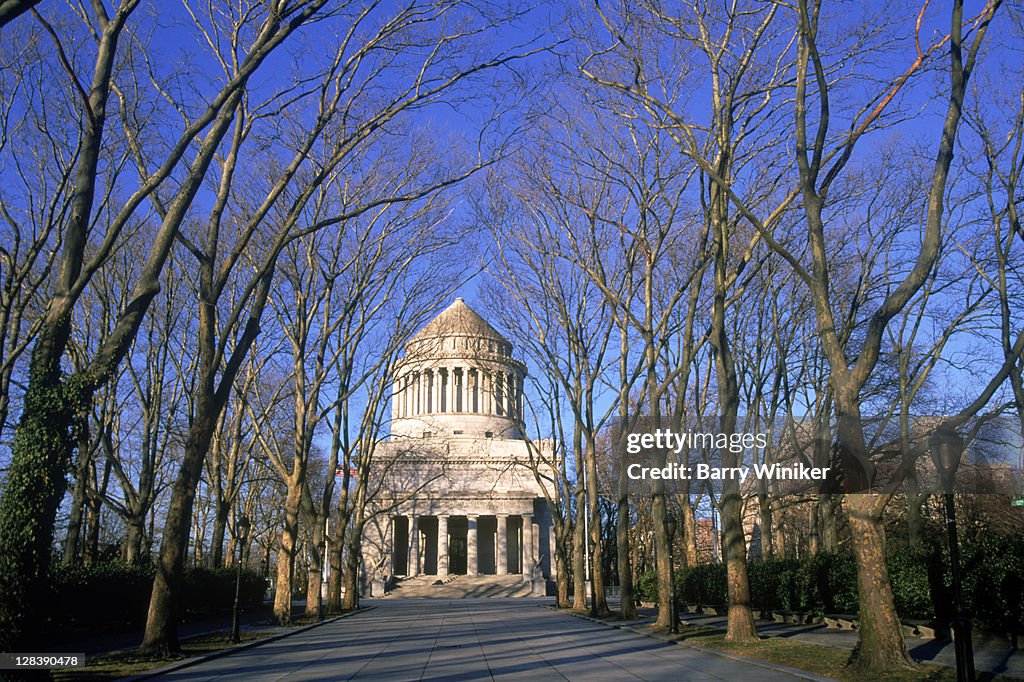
(458, 319)
(458, 379)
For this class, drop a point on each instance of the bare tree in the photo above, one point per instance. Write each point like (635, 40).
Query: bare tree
(350, 121)
(42, 450)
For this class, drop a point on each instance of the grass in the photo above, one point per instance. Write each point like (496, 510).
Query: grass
(120, 664)
(812, 658)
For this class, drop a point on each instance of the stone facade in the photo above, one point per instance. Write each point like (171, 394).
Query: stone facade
(458, 493)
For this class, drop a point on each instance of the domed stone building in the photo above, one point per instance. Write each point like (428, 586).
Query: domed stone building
(459, 495)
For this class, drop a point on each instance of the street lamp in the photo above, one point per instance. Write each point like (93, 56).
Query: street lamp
(241, 534)
(673, 616)
(947, 448)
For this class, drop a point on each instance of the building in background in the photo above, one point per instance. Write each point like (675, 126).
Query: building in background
(461, 495)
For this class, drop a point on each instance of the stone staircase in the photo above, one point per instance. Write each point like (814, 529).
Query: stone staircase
(460, 587)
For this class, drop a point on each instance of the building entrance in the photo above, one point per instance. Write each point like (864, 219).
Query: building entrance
(457, 555)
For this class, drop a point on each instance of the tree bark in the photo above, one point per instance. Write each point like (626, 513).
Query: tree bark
(220, 522)
(334, 583)
(73, 539)
(880, 645)
(561, 577)
(353, 562)
(161, 635)
(134, 536)
(314, 596)
(622, 526)
(599, 603)
(689, 525)
(286, 557)
(662, 559)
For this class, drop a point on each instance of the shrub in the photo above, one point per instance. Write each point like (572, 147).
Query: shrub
(704, 584)
(114, 596)
(908, 573)
(836, 578)
(764, 584)
(992, 567)
(109, 595)
(647, 587)
(212, 590)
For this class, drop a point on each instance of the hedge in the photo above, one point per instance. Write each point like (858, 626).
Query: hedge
(992, 569)
(114, 596)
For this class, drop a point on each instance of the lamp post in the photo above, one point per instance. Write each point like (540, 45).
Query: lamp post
(673, 616)
(241, 534)
(947, 448)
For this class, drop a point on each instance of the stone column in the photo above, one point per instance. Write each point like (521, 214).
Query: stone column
(551, 553)
(436, 391)
(395, 393)
(519, 398)
(471, 562)
(512, 411)
(414, 545)
(457, 405)
(465, 390)
(473, 393)
(423, 391)
(428, 391)
(414, 393)
(485, 392)
(450, 389)
(527, 549)
(442, 389)
(392, 522)
(501, 545)
(442, 546)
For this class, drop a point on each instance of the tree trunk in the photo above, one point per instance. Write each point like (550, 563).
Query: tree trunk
(881, 645)
(622, 525)
(220, 522)
(579, 564)
(135, 532)
(353, 561)
(94, 503)
(561, 578)
(334, 550)
(767, 531)
(32, 492)
(829, 536)
(662, 560)
(286, 556)
(161, 636)
(599, 604)
(314, 596)
(741, 626)
(689, 531)
(73, 540)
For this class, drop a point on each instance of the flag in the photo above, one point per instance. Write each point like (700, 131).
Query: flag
(339, 472)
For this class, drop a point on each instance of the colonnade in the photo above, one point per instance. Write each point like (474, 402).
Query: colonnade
(456, 546)
(458, 389)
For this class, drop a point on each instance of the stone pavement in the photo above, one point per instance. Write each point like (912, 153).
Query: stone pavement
(472, 639)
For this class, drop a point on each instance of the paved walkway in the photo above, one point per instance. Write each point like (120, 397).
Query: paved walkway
(472, 639)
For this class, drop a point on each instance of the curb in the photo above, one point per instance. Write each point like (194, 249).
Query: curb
(796, 672)
(195, 660)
